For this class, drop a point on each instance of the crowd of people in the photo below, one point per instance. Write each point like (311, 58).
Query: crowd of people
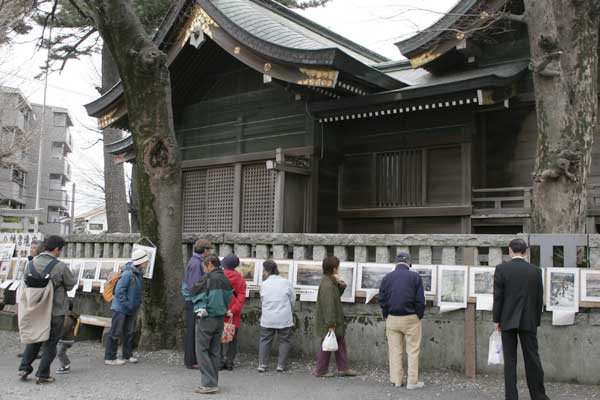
(215, 294)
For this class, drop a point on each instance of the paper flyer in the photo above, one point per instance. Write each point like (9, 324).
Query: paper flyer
(87, 285)
(14, 286)
(445, 308)
(563, 318)
(309, 295)
(484, 303)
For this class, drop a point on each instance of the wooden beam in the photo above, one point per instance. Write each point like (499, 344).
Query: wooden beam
(243, 158)
(405, 212)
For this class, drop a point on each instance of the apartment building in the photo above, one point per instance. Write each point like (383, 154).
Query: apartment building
(18, 175)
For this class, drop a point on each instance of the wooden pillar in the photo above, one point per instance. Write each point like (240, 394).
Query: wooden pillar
(470, 258)
(279, 208)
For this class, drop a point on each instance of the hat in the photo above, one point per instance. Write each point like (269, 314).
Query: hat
(403, 257)
(231, 261)
(203, 243)
(139, 257)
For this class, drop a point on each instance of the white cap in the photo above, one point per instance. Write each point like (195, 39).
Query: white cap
(139, 257)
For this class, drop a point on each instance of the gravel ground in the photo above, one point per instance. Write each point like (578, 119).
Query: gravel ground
(159, 375)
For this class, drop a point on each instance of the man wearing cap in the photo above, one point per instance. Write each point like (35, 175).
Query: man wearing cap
(402, 301)
(125, 304)
(193, 273)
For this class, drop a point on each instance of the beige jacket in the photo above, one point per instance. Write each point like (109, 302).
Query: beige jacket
(35, 313)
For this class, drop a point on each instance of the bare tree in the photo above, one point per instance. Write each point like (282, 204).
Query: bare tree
(13, 14)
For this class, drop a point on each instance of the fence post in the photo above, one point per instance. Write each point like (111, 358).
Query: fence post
(470, 258)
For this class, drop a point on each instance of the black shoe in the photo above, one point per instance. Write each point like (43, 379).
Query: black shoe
(23, 375)
(64, 370)
(40, 381)
(19, 355)
(229, 367)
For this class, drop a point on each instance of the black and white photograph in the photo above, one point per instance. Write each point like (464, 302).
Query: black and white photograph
(452, 289)
(370, 275)
(151, 251)
(4, 267)
(308, 273)
(21, 268)
(428, 276)
(347, 273)
(88, 269)
(481, 281)
(6, 251)
(75, 266)
(249, 268)
(590, 285)
(562, 291)
(106, 268)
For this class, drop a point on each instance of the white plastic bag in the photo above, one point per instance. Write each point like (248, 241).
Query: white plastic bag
(495, 353)
(330, 342)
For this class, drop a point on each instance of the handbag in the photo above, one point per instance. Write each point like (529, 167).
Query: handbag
(330, 342)
(495, 353)
(228, 331)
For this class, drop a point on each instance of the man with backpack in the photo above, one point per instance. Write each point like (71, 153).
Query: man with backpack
(48, 279)
(125, 304)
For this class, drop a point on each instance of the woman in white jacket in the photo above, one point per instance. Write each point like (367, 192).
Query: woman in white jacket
(278, 297)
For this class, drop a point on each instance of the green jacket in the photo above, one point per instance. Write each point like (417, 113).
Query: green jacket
(329, 308)
(213, 293)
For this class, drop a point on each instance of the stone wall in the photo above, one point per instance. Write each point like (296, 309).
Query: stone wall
(568, 353)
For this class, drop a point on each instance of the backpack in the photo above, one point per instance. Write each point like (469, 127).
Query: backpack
(109, 286)
(34, 279)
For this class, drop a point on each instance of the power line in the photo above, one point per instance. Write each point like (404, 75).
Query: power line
(51, 85)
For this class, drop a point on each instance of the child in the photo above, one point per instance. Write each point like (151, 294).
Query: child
(70, 329)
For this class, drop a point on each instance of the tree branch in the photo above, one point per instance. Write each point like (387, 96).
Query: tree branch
(515, 17)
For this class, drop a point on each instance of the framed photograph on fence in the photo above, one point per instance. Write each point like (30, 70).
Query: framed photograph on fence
(88, 269)
(7, 251)
(21, 266)
(285, 268)
(590, 285)
(428, 276)
(250, 269)
(307, 274)
(452, 286)
(107, 267)
(370, 275)
(562, 289)
(151, 251)
(347, 273)
(481, 281)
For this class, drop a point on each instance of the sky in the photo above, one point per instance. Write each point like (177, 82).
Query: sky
(375, 24)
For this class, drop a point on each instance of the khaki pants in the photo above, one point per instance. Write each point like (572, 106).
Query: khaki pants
(397, 328)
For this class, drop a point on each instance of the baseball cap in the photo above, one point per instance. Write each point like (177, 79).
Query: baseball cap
(403, 257)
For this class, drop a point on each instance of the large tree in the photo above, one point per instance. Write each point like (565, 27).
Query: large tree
(563, 38)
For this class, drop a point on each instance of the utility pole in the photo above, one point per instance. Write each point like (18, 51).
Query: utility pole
(42, 128)
(72, 231)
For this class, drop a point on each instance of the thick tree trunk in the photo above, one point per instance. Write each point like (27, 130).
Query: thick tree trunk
(145, 76)
(563, 37)
(134, 199)
(115, 195)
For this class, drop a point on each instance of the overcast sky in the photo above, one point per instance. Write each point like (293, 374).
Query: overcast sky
(375, 24)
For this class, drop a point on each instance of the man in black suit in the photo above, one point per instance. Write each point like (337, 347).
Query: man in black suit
(518, 302)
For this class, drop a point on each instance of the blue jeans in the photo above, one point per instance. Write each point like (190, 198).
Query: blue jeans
(122, 326)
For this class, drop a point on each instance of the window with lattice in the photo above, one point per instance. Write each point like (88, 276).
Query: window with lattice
(208, 200)
(258, 198)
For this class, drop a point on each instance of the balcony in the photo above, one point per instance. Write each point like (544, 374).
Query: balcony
(61, 134)
(15, 118)
(60, 166)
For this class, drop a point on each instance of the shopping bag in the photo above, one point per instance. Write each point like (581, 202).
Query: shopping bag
(228, 331)
(495, 354)
(330, 342)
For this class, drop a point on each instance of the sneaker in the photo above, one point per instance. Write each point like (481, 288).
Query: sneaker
(118, 361)
(64, 370)
(325, 375)
(206, 390)
(23, 375)
(132, 360)
(40, 381)
(262, 368)
(280, 369)
(413, 386)
(347, 372)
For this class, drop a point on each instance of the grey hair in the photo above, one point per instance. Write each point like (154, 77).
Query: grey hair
(36, 242)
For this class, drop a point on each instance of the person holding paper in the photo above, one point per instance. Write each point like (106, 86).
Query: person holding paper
(518, 302)
(330, 318)
(402, 302)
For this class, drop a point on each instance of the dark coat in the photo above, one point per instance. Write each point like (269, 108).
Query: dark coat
(329, 311)
(128, 292)
(401, 293)
(518, 295)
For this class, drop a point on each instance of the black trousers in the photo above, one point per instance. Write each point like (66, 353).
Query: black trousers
(533, 366)
(48, 351)
(189, 355)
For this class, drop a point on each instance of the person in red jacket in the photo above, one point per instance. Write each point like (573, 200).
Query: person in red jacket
(229, 350)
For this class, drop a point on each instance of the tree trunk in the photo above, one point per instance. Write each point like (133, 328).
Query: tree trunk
(145, 76)
(115, 195)
(134, 201)
(563, 36)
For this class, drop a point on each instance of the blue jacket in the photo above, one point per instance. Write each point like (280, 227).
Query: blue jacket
(128, 292)
(193, 273)
(401, 293)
